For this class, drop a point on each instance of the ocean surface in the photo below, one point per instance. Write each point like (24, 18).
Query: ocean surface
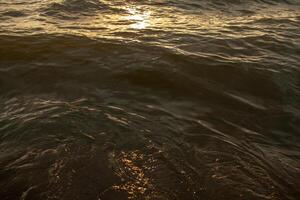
(149, 99)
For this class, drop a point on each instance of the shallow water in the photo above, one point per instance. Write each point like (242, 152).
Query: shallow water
(161, 99)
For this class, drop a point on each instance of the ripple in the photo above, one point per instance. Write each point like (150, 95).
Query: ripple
(68, 9)
(14, 13)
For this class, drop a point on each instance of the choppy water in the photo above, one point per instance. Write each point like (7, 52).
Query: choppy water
(161, 99)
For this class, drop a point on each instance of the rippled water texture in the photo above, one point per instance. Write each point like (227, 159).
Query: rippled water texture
(149, 100)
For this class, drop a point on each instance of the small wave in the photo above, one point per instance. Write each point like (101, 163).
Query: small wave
(73, 8)
(14, 13)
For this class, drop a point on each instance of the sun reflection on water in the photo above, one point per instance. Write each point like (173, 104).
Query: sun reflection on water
(127, 22)
(134, 169)
(139, 19)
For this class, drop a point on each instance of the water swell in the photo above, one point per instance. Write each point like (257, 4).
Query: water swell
(69, 8)
(68, 133)
(166, 71)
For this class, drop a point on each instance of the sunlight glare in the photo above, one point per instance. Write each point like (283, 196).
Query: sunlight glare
(140, 20)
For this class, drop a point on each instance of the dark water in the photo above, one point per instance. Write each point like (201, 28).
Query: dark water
(154, 100)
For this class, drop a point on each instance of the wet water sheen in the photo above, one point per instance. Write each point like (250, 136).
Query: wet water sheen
(149, 99)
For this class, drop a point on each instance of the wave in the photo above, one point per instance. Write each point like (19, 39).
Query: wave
(139, 148)
(76, 7)
(231, 5)
(88, 7)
